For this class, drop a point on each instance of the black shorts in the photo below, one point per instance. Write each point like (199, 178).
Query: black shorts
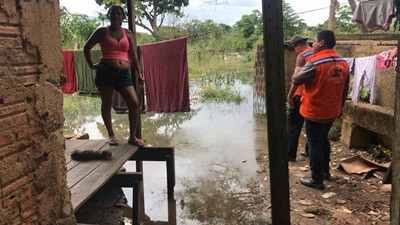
(109, 76)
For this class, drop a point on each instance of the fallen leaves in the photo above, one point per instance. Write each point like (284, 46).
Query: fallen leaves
(328, 195)
(305, 202)
(308, 215)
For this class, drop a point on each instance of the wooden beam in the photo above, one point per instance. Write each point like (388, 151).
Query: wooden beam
(395, 196)
(276, 108)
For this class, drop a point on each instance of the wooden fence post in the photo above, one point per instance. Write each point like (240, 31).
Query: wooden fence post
(274, 74)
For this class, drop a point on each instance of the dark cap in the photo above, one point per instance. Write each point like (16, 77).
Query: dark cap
(296, 39)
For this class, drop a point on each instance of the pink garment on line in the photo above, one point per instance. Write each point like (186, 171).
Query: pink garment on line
(386, 58)
(166, 76)
(69, 71)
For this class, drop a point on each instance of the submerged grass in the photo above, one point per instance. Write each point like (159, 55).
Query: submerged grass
(219, 93)
(220, 87)
(218, 71)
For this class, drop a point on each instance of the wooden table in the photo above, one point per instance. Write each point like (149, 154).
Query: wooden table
(84, 178)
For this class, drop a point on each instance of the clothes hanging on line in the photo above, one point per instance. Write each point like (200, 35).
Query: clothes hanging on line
(386, 59)
(166, 76)
(84, 74)
(364, 76)
(374, 14)
(69, 71)
(350, 62)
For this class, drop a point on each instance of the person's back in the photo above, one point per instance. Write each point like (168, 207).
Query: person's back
(322, 98)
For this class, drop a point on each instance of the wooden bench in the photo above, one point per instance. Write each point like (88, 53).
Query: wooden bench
(84, 178)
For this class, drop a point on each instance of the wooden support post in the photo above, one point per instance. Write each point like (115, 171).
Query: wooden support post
(395, 196)
(171, 212)
(165, 154)
(275, 108)
(133, 180)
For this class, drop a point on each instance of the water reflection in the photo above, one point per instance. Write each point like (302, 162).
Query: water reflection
(219, 147)
(223, 196)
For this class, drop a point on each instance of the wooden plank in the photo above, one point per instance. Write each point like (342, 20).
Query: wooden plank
(103, 171)
(70, 145)
(78, 170)
(88, 144)
(84, 144)
(395, 196)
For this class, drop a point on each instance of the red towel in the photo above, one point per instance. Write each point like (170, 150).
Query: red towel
(166, 76)
(69, 71)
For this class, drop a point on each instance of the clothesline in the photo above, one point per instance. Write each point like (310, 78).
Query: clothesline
(364, 71)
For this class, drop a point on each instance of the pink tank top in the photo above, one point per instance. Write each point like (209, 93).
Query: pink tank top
(113, 49)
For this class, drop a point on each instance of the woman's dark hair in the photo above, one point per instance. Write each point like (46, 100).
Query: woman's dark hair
(328, 36)
(118, 7)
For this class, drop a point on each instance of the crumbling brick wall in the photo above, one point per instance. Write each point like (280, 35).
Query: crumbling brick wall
(33, 187)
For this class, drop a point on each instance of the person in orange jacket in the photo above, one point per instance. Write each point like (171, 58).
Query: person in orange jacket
(326, 83)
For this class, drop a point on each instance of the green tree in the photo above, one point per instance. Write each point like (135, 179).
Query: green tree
(152, 11)
(343, 21)
(75, 28)
(292, 23)
(249, 28)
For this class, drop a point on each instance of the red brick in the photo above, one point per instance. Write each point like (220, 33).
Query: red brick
(4, 140)
(27, 131)
(14, 186)
(27, 204)
(16, 97)
(28, 213)
(13, 121)
(9, 201)
(31, 220)
(12, 109)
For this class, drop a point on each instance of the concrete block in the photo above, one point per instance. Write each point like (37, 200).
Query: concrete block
(355, 136)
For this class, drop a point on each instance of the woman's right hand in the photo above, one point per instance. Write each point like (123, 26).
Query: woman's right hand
(97, 66)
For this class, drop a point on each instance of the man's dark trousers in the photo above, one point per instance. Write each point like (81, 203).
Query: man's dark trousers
(319, 148)
(294, 124)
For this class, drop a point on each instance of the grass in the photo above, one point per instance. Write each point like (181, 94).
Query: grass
(219, 93)
(218, 72)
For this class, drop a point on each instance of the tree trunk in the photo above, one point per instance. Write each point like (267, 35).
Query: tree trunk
(332, 16)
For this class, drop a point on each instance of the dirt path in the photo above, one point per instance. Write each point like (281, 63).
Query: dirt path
(346, 199)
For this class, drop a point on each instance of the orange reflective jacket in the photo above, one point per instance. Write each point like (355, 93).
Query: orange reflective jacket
(322, 98)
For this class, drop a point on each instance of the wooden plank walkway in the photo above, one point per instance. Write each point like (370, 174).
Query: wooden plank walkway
(85, 178)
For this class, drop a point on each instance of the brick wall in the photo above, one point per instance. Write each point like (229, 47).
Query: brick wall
(33, 186)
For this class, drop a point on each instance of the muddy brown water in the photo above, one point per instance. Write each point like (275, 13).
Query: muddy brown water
(216, 147)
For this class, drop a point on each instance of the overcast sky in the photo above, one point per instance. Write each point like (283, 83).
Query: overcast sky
(224, 11)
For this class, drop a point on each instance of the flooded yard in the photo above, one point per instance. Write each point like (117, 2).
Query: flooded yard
(216, 147)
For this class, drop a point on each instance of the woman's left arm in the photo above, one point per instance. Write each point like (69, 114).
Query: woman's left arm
(132, 54)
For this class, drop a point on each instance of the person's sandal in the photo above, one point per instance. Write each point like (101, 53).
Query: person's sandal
(112, 140)
(138, 142)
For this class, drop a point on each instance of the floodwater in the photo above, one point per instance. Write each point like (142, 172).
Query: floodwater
(217, 148)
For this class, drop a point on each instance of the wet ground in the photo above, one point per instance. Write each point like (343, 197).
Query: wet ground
(222, 168)
(216, 148)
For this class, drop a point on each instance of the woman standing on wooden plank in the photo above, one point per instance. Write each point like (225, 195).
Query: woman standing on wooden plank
(117, 55)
